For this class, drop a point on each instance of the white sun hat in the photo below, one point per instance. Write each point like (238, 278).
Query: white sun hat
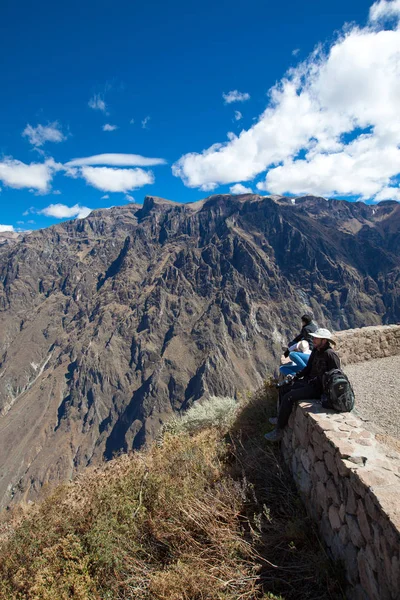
(324, 334)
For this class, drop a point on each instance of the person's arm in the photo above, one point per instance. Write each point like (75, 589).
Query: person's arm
(333, 361)
(294, 347)
(298, 338)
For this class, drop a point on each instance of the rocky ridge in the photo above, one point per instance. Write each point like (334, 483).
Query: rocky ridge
(111, 323)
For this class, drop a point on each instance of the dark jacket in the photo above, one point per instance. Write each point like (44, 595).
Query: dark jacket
(320, 362)
(305, 334)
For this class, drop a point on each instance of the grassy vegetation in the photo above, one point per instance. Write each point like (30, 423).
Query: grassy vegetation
(206, 513)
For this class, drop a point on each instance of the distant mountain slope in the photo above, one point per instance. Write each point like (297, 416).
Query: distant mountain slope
(110, 323)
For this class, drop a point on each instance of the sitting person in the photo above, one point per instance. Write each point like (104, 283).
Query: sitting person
(308, 326)
(307, 384)
(298, 354)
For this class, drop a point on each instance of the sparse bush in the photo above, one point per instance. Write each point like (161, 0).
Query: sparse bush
(217, 411)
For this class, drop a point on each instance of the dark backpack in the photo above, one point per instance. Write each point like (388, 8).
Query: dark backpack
(338, 393)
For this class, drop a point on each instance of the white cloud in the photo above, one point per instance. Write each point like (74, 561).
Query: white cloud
(62, 211)
(238, 188)
(331, 125)
(129, 198)
(145, 121)
(36, 176)
(388, 193)
(383, 9)
(105, 197)
(116, 180)
(108, 127)
(4, 228)
(355, 171)
(116, 160)
(295, 51)
(41, 134)
(97, 103)
(238, 115)
(235, 96)
(132, 122)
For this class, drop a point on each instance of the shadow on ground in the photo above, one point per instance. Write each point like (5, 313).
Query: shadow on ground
(294, 563)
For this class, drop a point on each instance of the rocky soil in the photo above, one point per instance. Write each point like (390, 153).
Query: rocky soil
(376, 384)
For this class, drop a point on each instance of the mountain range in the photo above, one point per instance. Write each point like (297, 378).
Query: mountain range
(112, 323)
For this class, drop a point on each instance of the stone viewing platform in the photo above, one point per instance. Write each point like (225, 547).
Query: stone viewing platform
(371, 359)
(349, 480)
(350, 484)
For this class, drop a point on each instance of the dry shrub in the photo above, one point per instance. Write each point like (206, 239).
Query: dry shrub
(208, 516)
(167, 527)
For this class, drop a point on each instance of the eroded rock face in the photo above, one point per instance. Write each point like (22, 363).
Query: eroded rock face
(8, 238)
(111, 323)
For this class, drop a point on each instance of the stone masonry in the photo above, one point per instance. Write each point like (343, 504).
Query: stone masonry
(367, 343)
(350, 483)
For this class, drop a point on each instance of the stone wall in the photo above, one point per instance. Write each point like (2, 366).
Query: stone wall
(350, 483)
(359, 345)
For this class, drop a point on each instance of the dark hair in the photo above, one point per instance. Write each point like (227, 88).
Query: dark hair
(307, 318)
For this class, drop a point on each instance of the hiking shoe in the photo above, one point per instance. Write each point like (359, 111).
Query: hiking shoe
(273, 420)
(274, 436)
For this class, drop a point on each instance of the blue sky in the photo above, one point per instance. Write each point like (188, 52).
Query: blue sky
(185, 99)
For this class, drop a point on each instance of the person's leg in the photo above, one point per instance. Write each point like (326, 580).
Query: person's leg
(300, 360)
(297, 393)
(285, 393)
(287, 369)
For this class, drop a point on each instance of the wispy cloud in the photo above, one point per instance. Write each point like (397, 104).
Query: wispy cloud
(108, 127)
(109, 179)
(35, 176)
(116, 160)
(238, 115)
(62, 211)
(338, 108)
(105, 197)
(145, 121)
(238, 188)
(235, 96)
(132, 122)
(129, 198)
(97, 103)
(295, 51)
(383, 9)
(41, 134)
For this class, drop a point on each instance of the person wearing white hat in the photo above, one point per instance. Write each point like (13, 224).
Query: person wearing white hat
(307, 383)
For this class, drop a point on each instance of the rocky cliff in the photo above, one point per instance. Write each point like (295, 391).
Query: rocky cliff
(110, 323)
